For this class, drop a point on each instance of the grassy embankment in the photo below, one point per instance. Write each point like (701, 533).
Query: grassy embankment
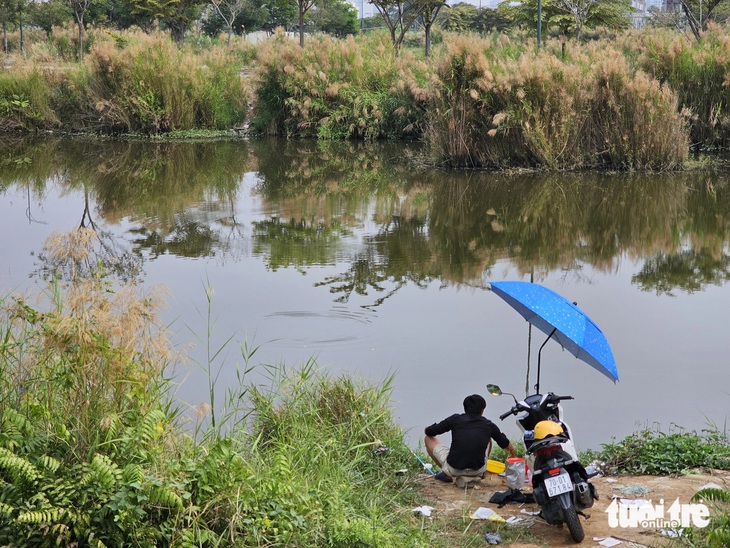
(94, 451)
(638, 100)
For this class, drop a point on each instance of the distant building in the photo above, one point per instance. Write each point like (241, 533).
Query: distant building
(643, 9)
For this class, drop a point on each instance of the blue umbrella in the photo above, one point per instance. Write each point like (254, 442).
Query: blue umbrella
(561, 320)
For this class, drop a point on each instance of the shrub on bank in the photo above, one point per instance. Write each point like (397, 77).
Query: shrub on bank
(499, 105)
(25, 100)
(153, 86)
(92, 452)
(697, 71)
(654, 452)
(339, 89)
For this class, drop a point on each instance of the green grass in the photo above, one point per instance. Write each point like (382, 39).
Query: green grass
(654, 452)
(93, 451)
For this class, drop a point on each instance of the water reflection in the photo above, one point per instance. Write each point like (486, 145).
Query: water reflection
(356, 255)
(185, 199)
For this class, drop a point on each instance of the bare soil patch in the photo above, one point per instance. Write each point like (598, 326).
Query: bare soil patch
(449, 501)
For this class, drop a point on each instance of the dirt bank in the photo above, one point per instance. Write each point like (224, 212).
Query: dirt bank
(450, 502)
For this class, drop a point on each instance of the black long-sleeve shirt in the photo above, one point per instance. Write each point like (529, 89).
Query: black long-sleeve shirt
(470, 435)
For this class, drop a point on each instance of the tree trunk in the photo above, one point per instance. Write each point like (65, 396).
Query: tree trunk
(22, 33)
(177, 31)
(301, 27)
(230, 31)
(5, 37)
(80, 24)
(428, 40)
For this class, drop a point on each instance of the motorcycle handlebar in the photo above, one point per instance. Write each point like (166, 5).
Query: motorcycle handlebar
(507, 414)
(517, 408)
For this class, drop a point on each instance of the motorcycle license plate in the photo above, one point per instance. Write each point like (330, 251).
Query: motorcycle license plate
(558, 484)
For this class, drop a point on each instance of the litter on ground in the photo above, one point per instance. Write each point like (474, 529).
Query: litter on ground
(486, 513)
(607, 541)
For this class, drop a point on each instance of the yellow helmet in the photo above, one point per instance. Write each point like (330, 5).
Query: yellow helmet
(543, 429)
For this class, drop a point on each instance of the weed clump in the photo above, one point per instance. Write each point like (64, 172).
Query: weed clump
(339, 89)
(498, 105)
(93, 451)
(653, 452)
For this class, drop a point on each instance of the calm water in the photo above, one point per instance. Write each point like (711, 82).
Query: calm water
(350, 255)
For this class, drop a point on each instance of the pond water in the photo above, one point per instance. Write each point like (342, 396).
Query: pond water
(355, 257)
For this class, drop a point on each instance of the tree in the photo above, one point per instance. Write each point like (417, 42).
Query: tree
(280, 14)
(7, 15)
(118, 14)
(488, 19)
(578, 9)
(11, 12)
(303, 6)
(228, 11)
(599, 12)
(47, 15)
(336, 17)
(459, 17)
(79, 8)
(399, 16)
(613, 14)
(177, 14)
(698, 13)
(428, 17)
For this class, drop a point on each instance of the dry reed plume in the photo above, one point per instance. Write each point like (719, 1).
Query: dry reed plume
(99, 340)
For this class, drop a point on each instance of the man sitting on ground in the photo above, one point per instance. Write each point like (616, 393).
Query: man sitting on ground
(471, 434)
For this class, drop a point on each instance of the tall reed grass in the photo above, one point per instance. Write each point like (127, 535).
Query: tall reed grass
(94, 453)
(698, 72)
(339, 89)
(135, 83)
(499, 105)
(153, 86)
(638, 100)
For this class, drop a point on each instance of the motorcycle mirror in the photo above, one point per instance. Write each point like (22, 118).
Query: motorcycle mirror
(494, 390)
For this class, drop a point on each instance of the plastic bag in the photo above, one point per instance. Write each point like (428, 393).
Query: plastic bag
(515, 473)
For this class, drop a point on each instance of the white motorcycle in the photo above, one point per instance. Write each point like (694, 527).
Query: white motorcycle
(560, 484)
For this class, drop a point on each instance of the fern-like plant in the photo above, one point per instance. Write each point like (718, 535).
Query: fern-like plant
(717, 534)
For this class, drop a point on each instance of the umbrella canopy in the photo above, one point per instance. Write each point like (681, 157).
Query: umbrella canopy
(561, 320)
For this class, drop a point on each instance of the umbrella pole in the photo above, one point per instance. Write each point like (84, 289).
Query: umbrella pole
(539, 355)
(529, 346)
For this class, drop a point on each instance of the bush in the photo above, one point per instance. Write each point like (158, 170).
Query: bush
(93, 453)
(332, 89)
(25, 100)
(653, 452)
(152, 86)
(499, 105)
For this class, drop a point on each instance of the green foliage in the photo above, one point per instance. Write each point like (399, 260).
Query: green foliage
(24, 100)
(338, 90)
(570, 19)
(152, 86)
(90, 465)
(502, 105)
(717, 533)
(653, 452)
(335, 17)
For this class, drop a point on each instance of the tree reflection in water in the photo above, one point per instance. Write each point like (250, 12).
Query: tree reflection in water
(371, 208)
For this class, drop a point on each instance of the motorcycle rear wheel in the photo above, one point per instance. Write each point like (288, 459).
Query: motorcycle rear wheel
(574, 525)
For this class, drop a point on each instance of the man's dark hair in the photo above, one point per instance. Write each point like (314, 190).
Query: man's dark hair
(474, 404)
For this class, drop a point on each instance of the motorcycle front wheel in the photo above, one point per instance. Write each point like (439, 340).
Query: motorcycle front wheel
(574, 525)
